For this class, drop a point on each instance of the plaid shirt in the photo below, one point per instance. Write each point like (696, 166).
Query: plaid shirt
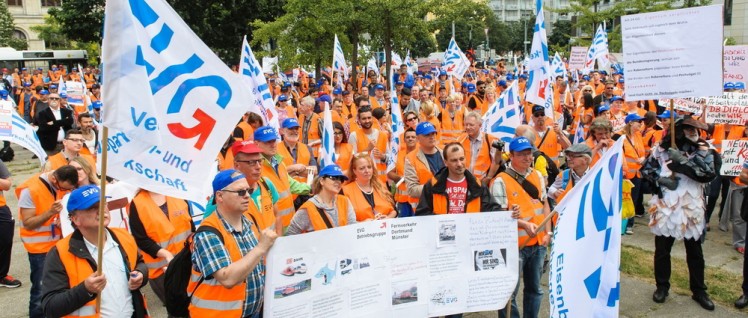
(210, 255)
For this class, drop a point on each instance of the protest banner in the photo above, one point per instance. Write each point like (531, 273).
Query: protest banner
(188, 100)
(16, 130)
(577, 57)
(76, 92)
(675, 53)
(412, 267)
(734, 154)
(690, 104)
(736, 64)
(728, 108)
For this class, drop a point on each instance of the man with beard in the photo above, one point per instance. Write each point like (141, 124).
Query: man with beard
(89, 134)
(371, 140)
(478, 100)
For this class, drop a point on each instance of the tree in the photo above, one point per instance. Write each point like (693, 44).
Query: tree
(470, 19)
(80, 20)
(559, 38)
(7, 28)
(51, 33)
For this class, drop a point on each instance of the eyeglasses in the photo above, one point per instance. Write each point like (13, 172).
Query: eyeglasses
(240, 193)
(587, 91)
(54, 98)
(76, 140)
(253, 162)
(538, 115)
(334, 178)
(338, 133)
(411, 119)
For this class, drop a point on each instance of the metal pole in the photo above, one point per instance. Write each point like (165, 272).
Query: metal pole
(525, 43)
(453, 29)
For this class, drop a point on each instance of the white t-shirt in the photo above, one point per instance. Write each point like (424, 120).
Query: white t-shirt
(116, 300)
(58, 116)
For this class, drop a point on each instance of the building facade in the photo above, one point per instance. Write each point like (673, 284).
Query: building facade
(28, 13)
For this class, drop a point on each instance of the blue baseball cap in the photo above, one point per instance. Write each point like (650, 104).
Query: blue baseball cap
(44, 92)
(399, 82)
(54, 68)
(586, 77)
(603, 108)
(83, 198)
(427, 76)
(63, 95)
(97, 104)
(632, 117)
(223, 179)
(509, 77)
(665, 114)
(290, 123)
(523, 76)
(26, 84)
(324, 98)
(337, 91)
(538, 109)
(3, 93)
(282, 98)
(332, 170)
(52, 86)
(621, 80)
(265, 134)
(471, 88)
(24, 69)
(616, 98)
(286, 84)
(442, 72)
(379, 86)
(75, 69)
(502, 83)
(425, 128)
(519, 144)
(729, 85)
(739, 85)
(603, 72)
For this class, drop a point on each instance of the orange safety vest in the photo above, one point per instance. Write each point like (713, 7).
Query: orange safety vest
(58, 160)
(483, 161)
(302, 156)
(78, 269)
(422, 171)
(226, 161)
(401, 194)
(341, 204)
(21, 103)
(362, 207)
(548, 145)
(89, 78)
(345, 155)
(481, 104)
(211, 299)
(441, 204)
(349, 111)
(40, 240)
(37, 80)
(313, 132)
(530, 210)
(285, 208)
(247, 130)
(362, 142)
(633, 150)
(375, 103)
(74, 77)
(734, 132)
(169, 233)
(262, 217)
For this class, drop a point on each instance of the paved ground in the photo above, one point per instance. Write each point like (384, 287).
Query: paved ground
(636, 294)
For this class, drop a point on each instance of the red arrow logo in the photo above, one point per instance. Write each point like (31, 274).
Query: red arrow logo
(202, 129)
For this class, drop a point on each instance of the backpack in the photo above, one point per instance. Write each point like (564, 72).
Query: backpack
(7, 154)
(551, 167)
(177, 277)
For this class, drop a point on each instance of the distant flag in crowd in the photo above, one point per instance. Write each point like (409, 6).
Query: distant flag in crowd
(409, 62)
(251, 72)
(372, 65)
(396, 60)
(503, 117)
(455, 62)
(586, 252)
(579, 133)
(516, 66)
(61, 87)
(598, 51)
(558, 67)
(617, 67)
(327, 151)
(338, 60)
(398, 129)
(539, 63)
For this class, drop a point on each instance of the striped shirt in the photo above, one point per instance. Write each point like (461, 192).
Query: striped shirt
(210, 255)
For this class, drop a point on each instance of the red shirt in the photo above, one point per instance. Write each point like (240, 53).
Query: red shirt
(457, 195)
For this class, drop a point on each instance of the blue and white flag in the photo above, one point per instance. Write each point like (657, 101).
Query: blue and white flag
(170, 103)
(579, 133)
(61, 87)
(15, 129)
(251, 73)
(455, 62)
(411, 65)
(327, 151)
(503, 117)
(598, 51)
(398, 129)
(585, 257)
(558, 67)
(539, 64)
(372, 65)
(338, 60)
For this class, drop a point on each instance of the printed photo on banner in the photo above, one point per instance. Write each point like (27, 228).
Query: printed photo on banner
(447, 232)
(404, 292)
(734, 154)
(489, 259)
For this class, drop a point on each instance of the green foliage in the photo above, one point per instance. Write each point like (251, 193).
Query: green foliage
(560, 36)
(730, 41)
(7, 27)
(469, 17)
(80, 20)
(52, 34)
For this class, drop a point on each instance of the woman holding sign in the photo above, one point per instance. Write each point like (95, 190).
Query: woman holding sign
(327, 208)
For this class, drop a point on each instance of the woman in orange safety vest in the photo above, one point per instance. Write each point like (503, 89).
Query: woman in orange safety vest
(327, 208)
(370, 198)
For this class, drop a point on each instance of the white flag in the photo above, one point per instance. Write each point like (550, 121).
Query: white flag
(338, 58)
(327, 151)
(455, 62)
(503, 117)
(16, 130)
(396, 60)
(538, 64)
(251, 72)
(598, 51)
(558, 68)
(372, 65)
(398, 128)
(170, 102)
(585, 258)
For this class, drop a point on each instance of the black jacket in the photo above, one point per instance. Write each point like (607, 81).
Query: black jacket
(475, 190)
(60, 299)
(48, 132)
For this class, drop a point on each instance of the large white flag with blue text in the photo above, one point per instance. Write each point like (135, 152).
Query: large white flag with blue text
(539, 64)
(558, 67)
(585, 257)
(455, 62)
(338, 59)
(251, 72)
(170, 102)
(598, 51)
(327, 151)
(503, 117)
(398, 129)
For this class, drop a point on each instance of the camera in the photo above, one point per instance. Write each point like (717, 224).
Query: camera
(498, 144)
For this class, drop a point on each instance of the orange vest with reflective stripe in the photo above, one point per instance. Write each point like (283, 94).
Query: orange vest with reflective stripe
(483, 161)
(211, 299)
(345, 154)
(41, 239)
(633, 150)
(262, 217)
(247, 130)
(401, 194)
(78, 269)
(22, 102)
(38, 80)
(362, 207)
(58, 160)
(169, 233)
(341, 205)
(314, 133)
(374, 102)
(481, 104)
(441, 202)
(89, 78)
(362, 142)
(422, 171)
(302, 156)
(550, 146)
(530, 210)
(284, 205)
(452, 128)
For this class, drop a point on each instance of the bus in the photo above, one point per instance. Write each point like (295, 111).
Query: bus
(11, 59)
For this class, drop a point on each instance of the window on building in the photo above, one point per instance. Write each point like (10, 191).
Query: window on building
(18, 3)
(51, 3)
(18, 34)
(727, 12)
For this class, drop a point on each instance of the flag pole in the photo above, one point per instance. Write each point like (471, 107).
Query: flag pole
(102, 209)
(672, 123)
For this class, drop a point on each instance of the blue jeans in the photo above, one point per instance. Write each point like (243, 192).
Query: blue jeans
(36, 262)
(404, 210)
(531, 269)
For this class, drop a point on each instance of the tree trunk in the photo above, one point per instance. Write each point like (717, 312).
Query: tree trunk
(354, 58)
(317, 71)
(388, 49)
